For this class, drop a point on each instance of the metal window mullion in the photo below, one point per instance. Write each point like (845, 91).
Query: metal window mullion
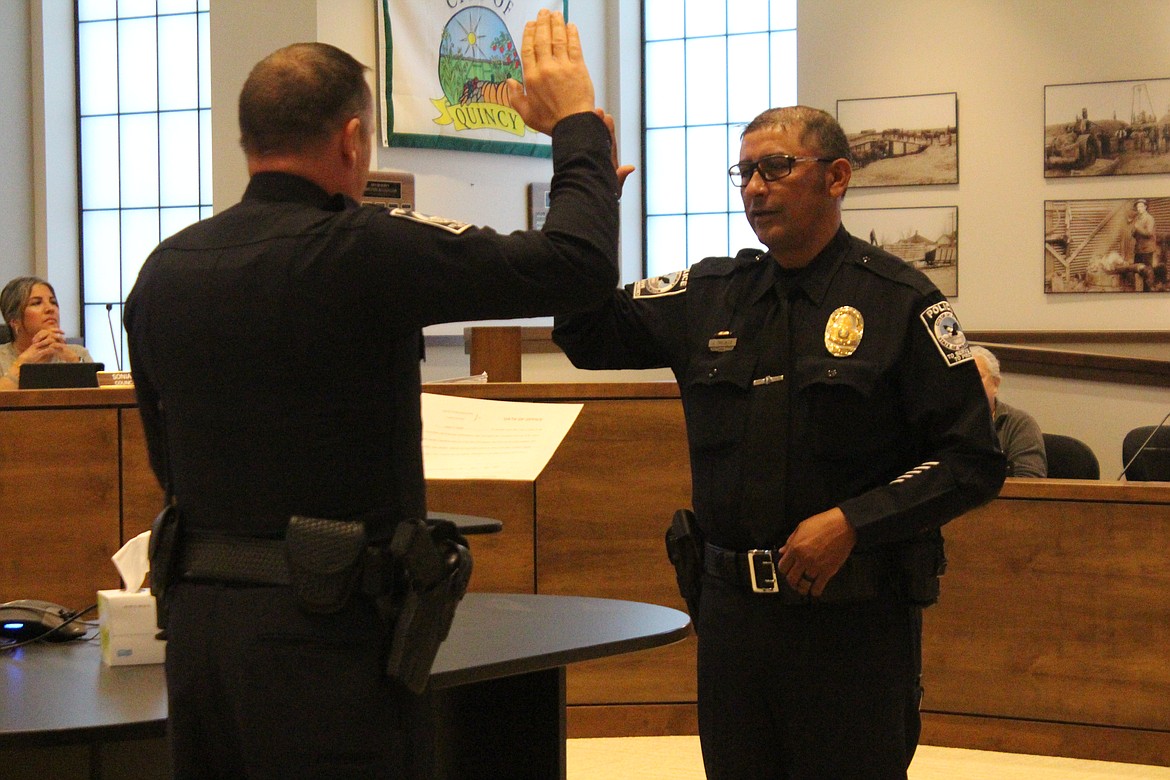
(686, 146)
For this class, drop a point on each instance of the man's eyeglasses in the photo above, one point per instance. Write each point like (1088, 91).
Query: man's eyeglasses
(770, 168)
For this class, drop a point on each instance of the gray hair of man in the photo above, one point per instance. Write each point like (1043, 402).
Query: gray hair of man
(989, 359)
(15, 295)
(819, 130)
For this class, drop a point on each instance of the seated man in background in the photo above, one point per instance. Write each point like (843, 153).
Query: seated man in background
(29, 307)
(1019, 434)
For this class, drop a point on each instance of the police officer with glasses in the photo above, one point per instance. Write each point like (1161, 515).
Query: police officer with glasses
(835, 421)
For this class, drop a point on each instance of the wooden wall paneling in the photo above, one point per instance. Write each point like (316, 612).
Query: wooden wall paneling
(603, 504)
(58, 504)
(1054, 611)
(1043, 738)
(495, 351)
(624, 720)
(142, 496)
(503, 562)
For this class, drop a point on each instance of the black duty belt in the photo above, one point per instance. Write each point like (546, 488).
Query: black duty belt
(861, 578)
(238, 559)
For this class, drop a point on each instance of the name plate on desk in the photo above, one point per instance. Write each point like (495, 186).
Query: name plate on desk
(114, 379)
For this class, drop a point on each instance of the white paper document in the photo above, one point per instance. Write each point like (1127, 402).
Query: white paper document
(471, 438)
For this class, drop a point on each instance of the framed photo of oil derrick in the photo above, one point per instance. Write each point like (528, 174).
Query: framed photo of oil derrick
(1107, 128)
(443, 69)
(925, 237)
(1117, 245)
(906, 140)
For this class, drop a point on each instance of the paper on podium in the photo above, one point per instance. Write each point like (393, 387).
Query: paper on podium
(471, 438)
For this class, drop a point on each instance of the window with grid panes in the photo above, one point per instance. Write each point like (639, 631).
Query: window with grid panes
(710, 67)
(144, 100)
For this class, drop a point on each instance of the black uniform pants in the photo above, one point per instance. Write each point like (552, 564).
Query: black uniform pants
(806, 692)
(258, 688)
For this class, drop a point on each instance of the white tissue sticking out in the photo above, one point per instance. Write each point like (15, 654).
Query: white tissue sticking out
(133, 561)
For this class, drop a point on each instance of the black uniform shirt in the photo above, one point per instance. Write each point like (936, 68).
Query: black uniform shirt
(897, 432)
(275, 346)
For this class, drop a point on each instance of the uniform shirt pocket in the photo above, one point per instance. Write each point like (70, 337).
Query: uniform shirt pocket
(840, 410)
(717, 387)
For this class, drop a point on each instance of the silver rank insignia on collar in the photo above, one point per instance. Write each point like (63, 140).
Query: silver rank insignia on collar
(722, 341)
(843, 331)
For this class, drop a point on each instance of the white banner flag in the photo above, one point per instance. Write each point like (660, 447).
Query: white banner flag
(443, 65)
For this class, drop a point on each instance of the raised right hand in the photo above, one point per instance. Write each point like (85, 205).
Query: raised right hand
(556, 81)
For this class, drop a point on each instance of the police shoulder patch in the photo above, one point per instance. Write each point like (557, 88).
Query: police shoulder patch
(667, 284)
(943, 327)
(450, 225)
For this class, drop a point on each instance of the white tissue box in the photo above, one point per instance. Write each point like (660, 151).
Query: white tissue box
(128, 628)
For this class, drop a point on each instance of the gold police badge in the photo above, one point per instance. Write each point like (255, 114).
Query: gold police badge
(843, 331)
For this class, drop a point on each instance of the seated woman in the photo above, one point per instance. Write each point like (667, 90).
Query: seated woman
(1019, 434)
(29, 307)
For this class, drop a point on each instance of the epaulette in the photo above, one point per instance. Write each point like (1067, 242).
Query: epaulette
(893, 268)
(443, 223)
(722, 266)
(676, 282)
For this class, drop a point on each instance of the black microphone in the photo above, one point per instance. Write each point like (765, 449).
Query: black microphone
(1145, 443)
(114, 341)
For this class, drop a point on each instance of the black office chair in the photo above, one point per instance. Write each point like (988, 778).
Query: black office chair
(1154, 461)
(1070, 458)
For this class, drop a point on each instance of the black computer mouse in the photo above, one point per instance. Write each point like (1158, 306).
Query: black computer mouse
(26, 619)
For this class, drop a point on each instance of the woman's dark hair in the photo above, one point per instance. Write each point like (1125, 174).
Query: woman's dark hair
(299, 95)
(15, 295)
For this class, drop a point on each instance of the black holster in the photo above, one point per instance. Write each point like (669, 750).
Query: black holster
(433, 567)
(684, 546)
(922, 562)
(163, 552)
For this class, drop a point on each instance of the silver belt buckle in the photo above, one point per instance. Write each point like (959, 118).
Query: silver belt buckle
(763, 571)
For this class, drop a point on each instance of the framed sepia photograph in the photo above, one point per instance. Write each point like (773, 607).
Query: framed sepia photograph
(1107, 128)
(895, 141)
(1114, 245)
(925, 237)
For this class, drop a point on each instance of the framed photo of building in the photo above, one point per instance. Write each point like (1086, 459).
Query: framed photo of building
(1107, 128)
(1115, 245)
(913, 139)
(927, 238)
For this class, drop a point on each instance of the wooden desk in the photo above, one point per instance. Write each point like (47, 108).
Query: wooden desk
(1053, 632)
(1051, 636)
(497, 688)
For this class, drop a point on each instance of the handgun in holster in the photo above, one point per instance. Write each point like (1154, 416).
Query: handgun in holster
(433, 568)
(684, 546)
(163, 552)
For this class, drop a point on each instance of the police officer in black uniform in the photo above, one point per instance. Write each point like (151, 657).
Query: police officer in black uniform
(835, 421)
(275, 351)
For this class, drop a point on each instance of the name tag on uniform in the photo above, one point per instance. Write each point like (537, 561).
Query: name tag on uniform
(722, 341)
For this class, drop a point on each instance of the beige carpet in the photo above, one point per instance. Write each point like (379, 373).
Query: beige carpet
(678, 758)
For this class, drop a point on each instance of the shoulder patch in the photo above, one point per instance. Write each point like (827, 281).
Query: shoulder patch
(943, 326)
(667, 284)
(450, 225)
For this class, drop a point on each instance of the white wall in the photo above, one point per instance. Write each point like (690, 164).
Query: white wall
(16, 221)
(997, 55)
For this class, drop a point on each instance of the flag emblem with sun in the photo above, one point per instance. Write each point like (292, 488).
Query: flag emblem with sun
(444, 69)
